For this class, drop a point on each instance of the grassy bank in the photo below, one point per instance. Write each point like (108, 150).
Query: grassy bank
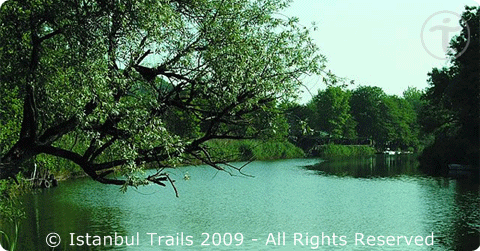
(238, 150)
(340, 151)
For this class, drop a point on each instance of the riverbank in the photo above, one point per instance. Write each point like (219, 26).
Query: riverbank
(220, 150)
(435, 158)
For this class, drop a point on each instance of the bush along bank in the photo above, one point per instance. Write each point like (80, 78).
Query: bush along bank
(341, 151)
(243, 150)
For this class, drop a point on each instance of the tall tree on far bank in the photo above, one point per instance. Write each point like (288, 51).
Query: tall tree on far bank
(452, 109)
(414, 97)
(366, 105)
(113, 75)
(331, 113)
(399, 123)
(388, 120)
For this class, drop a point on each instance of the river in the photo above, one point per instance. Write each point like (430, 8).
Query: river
(378, 203)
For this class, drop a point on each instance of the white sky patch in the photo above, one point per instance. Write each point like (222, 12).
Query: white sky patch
(377, 43)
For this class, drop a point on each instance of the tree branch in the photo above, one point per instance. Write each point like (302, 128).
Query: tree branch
(95, 154)
(50, 35)
(29, 123)
(55, 132)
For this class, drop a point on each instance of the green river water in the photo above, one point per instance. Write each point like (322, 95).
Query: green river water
(378, 203)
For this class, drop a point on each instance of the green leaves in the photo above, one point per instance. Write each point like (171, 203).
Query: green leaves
(332, 113)
(135, 82)
(451, 111)
(363, 113)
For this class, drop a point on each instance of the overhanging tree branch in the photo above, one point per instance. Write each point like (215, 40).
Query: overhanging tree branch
(209, 72)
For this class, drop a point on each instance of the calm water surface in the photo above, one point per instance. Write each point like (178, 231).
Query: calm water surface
(329, 201)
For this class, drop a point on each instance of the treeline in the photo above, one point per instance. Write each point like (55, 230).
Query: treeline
(441, 122)
(365, 114)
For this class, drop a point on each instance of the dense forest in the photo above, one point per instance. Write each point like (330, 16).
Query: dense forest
(365, 114)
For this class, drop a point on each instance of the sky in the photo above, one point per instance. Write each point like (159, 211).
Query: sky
(379, 43)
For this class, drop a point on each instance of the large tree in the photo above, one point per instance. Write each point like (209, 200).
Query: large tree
(451, 112)
(367, 109)
(399, 123)
(113, 75)
(331, 110)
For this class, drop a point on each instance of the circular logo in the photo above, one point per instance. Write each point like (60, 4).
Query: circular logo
(53, 240)
(438, 30)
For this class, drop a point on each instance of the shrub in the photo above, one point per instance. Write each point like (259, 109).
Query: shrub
(335, 151)
(241, 150)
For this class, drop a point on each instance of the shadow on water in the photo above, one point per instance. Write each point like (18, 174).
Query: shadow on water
(370, 167)
(456, 220)
(60, 210)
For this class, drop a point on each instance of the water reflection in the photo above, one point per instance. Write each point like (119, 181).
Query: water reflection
(66, 211)
(375, 196)
(453, 207)
(368, 167)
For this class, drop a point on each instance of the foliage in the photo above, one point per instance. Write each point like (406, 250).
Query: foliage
(399, 122)
(364, 113)
(389, 120)
(336, 151)
(451, 112)
(11, 212)
(366, 106)
(10, 108)
(298, 118)
(245, 150)
(111, 86)
(414, 97)
(332, 114)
